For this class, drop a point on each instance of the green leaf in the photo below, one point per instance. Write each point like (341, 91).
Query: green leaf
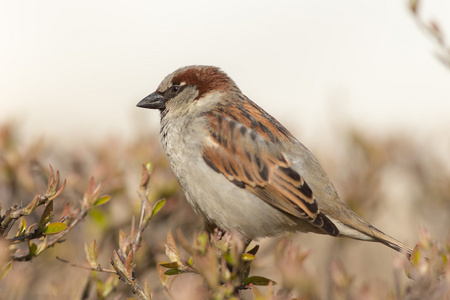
(4, 271)
(230, 259)
(22, 227)
(32, 248)
(169, 265)
(174, 271)
(202, 240)
(149, 167)
(415, 256)
(157, 207)
(247, 257)
(92, 254)
(54, 228)
(258, 280)
(102, 200)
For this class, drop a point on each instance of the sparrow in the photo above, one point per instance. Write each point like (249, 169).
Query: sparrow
(241, 169)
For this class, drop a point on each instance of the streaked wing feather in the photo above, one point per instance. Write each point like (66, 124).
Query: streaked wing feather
(244, 153)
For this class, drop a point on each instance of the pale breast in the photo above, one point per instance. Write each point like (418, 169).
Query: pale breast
(211, 194)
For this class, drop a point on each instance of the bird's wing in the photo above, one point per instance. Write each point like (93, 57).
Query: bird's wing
(245, 145)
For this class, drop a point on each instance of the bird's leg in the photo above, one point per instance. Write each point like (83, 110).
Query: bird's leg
(219, 233)
(214, 230)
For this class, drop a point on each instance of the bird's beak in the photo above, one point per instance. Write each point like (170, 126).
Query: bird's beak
(153, 101)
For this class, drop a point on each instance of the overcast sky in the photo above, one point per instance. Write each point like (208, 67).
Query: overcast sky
(78, 68)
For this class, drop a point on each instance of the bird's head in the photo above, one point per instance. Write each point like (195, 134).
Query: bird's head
(189, 87)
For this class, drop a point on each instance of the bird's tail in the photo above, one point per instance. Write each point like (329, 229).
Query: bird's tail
(357, 228)
(389, 241)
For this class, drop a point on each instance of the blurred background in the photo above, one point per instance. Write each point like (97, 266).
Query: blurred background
(358, 82)
(69, 67)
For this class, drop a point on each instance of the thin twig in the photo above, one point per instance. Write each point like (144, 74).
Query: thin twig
(433, 30)
(135, 286)
(142, 225)
(99, 269)
(57, 237)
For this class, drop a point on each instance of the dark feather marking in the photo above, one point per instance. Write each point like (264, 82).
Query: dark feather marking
(210, 163)
(224, 164)
(290, 172)
(254, 122)
(326, 225)
(233, 170)
(232, 125)
(271, 160)
(219, 128)
(272, 121)
(257, 161)
(264, 172)
(234, 117)
(247, 115)
(218, 137)
(311, 206)
(267, 131)
(248, 155)
(304, 189)
(163, 114)
(249, 177)
(225, 142)
(239, 183)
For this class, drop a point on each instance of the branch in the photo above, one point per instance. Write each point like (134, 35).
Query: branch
(99, 269)
(432, 28)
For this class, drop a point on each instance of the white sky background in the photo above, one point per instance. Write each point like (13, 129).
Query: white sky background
(74, 70)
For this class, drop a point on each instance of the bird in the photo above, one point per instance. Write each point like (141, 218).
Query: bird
(242, 170)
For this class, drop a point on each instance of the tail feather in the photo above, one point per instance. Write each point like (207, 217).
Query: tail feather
(390, 242)
(366, 232)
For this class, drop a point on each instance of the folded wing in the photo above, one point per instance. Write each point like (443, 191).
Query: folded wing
(248, 154)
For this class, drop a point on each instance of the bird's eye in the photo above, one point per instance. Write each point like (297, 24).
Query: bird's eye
(175, 88)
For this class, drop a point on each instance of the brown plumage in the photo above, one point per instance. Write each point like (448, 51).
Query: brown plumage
(241, 169)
